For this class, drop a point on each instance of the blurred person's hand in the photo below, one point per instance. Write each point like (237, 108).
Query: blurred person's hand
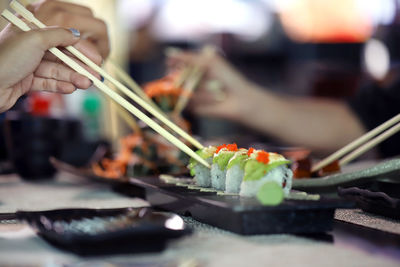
(68, 15)
(25, 63)
(223, 90)
(313, 123)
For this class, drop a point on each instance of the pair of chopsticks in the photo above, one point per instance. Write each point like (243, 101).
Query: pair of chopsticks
(189, 79)
(21, 10)
(156, 113)
(362, 144)
(125, 115)
(126, 78)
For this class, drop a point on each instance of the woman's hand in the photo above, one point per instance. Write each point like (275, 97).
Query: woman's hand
(68, 15)
(25, 65)
(306, 122)
(223, 90)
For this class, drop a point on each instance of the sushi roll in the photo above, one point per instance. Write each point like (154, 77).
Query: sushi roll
(164, 92)
(235, 170)
(263, 167)
(220, 161)
(201, 173)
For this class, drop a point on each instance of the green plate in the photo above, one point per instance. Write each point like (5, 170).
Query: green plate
(352, 175)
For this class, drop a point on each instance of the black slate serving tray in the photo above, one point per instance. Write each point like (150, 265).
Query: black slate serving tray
(240, 214)
(106, 231)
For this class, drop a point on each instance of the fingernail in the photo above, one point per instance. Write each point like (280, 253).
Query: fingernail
(75, 32)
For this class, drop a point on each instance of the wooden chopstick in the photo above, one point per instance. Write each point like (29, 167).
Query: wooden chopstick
(125, 77)
(109, 92)
(125, 115)
(194, 77)
(364, 148)
(26, 14)
(129, 120)
(186, 71)
(357, 143)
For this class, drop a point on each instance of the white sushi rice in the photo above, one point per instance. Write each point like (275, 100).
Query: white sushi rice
(279, 174)
(217, 177)
(202, 174)
(234, 177)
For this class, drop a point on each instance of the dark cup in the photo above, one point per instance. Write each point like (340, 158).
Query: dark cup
(3, 148)
(31, 141)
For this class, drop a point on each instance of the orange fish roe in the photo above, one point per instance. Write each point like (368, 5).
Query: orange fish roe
(263, 157)
(232, 147)
(229, 147)
(220, 147)
(250, 151)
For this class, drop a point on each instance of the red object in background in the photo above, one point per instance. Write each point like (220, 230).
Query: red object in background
(301, 162)
(39, 104)
(329, 169)
(302, 168)
(316, 21)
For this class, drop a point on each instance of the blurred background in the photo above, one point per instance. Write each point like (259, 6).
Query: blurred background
(319, 48)
(302, 47)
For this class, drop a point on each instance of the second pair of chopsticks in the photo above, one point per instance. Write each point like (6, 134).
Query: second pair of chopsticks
(100, 85)
(140, 99)
(189, 78)
(362, 144)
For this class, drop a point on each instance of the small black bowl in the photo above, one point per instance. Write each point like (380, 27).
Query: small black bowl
(31, 141)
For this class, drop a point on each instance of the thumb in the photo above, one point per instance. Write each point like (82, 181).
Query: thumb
(54, 36)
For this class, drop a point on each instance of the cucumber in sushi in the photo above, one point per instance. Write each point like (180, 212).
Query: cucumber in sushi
(235, 170)
(201, 173)
(219, 165)
(263, 167)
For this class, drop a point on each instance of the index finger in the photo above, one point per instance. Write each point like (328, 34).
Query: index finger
(95, 29)
(86, 48)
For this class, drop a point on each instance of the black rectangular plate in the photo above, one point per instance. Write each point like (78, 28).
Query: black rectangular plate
(147, 233)
(240, 214)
